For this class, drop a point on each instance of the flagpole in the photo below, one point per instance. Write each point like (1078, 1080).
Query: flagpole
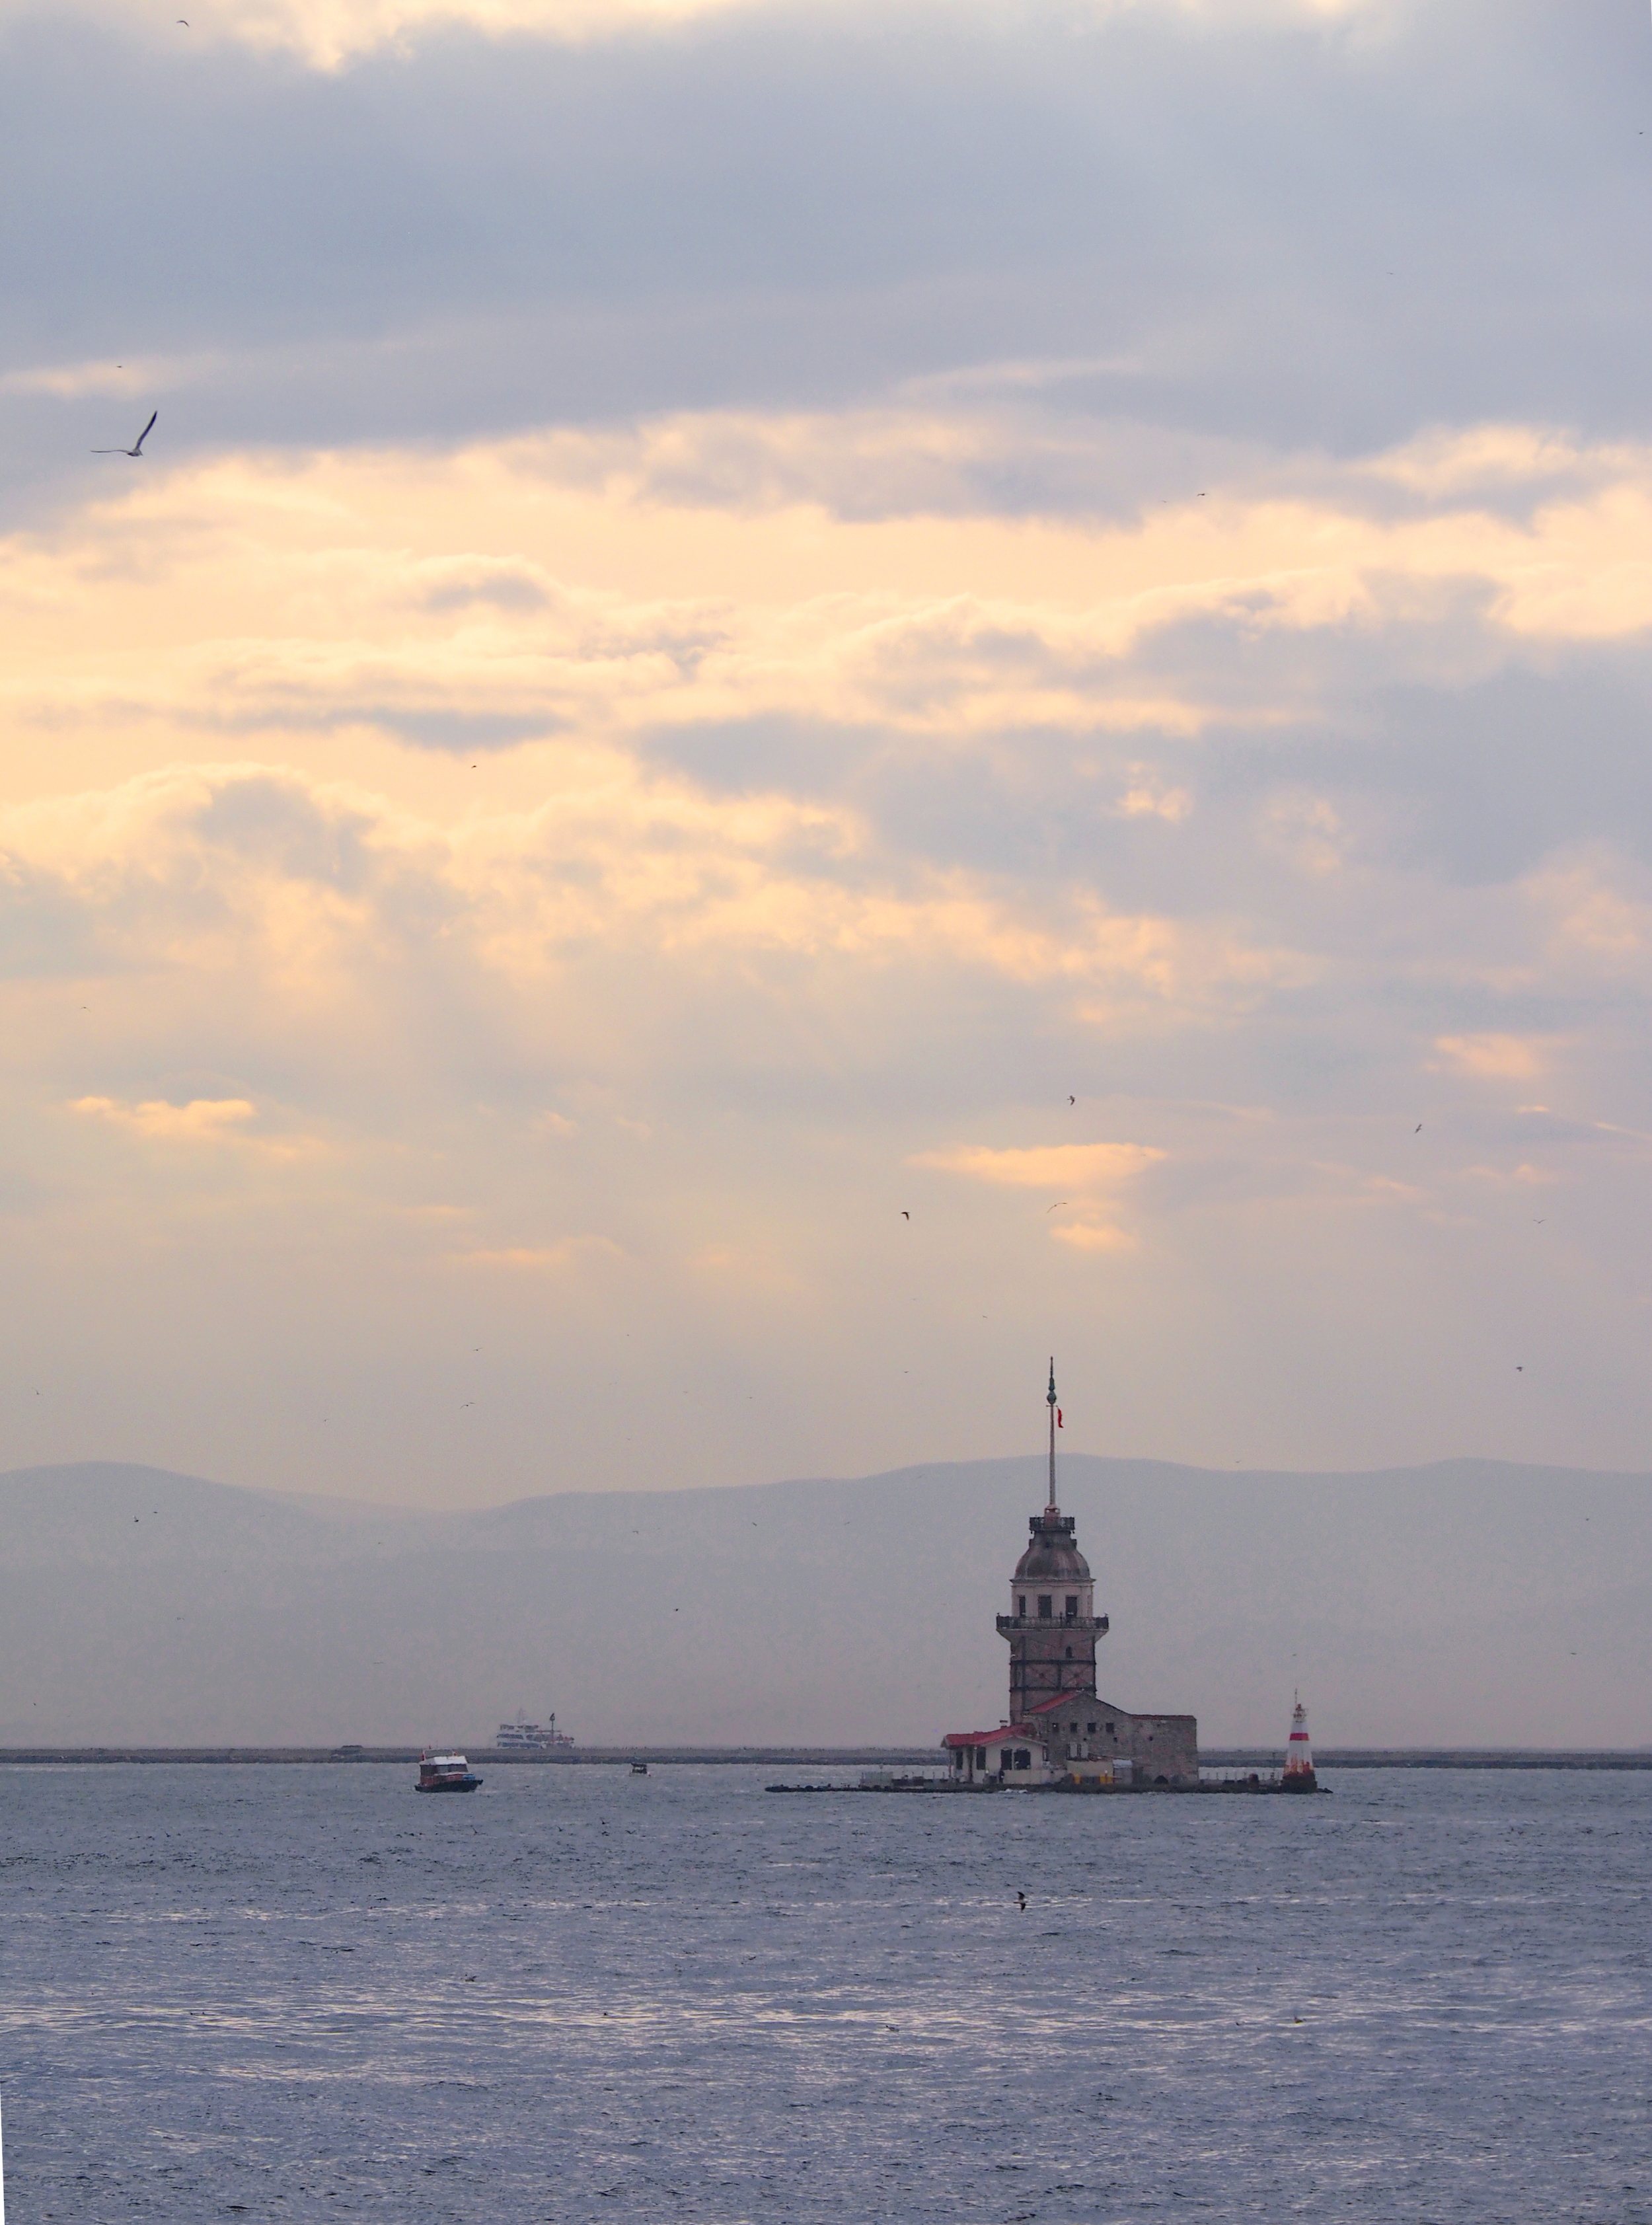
(1052, 1499)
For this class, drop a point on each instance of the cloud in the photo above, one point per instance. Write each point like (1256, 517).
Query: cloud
(1087, 1174)
(328, 34)
(791, 583)
(203, 1119)
(1496, 1057)
(572, 1251)
(1093, 1236)
(1086, 1166)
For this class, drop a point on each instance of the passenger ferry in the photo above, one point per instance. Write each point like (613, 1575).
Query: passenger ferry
(537, 1737)
(445, 1772)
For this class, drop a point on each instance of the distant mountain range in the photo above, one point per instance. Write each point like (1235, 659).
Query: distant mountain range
(1470, 1603)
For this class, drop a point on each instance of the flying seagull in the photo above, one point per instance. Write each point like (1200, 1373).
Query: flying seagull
(1022, 1897)
(136, 448)
(905, 1215)
(1048, 1209)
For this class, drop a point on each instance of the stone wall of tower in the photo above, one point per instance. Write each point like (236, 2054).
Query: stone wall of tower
(1045, 1658)
(1051, 1626)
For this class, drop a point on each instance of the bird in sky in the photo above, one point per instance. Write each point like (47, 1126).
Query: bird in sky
(1022, 1897)
(1417, 1131)
(1519, 1370)
(1056, 1208)
(1072, 1101)
(905, 1215)
(136, 448)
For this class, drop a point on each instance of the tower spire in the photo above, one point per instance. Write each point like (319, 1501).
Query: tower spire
(1052, 1508)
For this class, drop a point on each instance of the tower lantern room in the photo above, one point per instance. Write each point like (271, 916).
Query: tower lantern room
(1052, 1624)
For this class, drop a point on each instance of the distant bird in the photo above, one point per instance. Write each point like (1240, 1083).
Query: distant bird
(1056, 1208)
(1519, 1370)
(1538, 1224)
(136, 448)
(905, 1215)
(1022, 1897)
(1417, 1131)
(1072, 1100)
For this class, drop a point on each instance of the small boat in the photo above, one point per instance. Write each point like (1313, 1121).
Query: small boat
(639, 1768)
(445, 1772)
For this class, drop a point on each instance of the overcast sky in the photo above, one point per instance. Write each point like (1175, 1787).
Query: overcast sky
(743, 621)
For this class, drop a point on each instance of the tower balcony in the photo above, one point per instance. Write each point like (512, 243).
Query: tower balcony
(1013, 1626)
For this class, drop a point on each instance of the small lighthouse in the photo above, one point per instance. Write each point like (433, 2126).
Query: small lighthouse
(1298, 1754)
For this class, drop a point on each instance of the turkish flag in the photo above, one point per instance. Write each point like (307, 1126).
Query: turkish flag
(1059, 1423)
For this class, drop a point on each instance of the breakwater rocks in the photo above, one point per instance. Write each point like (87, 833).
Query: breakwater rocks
(1089, 1788)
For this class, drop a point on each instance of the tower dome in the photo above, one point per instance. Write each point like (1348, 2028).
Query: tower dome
(1053, 1556)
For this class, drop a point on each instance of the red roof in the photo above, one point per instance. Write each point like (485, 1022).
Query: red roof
(1059, 1699)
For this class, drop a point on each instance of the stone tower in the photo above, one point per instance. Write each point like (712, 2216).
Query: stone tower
(1052, 1624)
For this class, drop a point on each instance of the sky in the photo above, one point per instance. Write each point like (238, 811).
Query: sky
(796, 703)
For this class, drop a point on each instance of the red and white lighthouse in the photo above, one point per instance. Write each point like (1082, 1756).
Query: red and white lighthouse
(1298, 1754)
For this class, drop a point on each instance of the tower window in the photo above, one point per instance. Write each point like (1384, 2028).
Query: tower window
(1073, 1604)
(1021, 1607)
(1046, 1606)
(1069, 1653)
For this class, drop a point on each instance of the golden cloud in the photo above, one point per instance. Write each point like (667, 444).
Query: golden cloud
(1495, 1057)
(1085, 1175)
(697, 570)
(203, 1119)
(1083, 1168)
(1094, 1236)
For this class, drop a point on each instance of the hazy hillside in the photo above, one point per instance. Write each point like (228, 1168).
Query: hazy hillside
(1466, 1602)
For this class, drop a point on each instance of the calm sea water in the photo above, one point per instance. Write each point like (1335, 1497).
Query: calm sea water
(308, 1994)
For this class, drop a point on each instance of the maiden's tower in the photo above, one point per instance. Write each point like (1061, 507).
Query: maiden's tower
(1058, 1728)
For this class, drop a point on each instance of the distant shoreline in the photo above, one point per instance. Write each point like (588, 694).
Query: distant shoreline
(817, 1756)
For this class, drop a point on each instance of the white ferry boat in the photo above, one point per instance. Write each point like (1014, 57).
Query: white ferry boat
(537, 1737)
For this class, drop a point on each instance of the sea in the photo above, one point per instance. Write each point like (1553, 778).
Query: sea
(296, 1993)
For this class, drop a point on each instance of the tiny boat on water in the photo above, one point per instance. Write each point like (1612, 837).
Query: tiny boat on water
(445, 1772)
(639, 1768)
